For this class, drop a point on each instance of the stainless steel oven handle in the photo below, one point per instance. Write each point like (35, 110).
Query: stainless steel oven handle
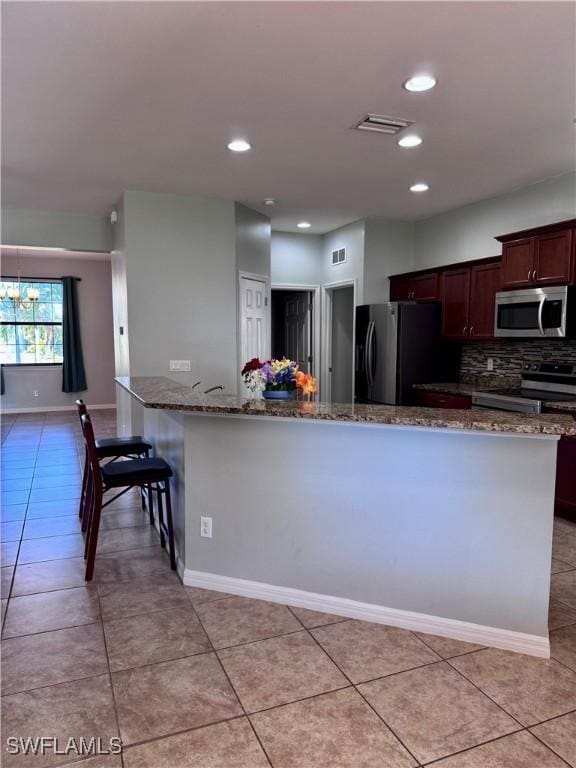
(540, 311)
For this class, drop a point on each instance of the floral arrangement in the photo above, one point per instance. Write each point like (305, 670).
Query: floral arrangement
(277, 376)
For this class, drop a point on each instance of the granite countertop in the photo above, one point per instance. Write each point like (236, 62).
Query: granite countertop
(161, 392)
(467, 388)
(561, 405)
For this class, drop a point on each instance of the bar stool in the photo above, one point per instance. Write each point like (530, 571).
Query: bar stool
(133, 446)
(153, 473)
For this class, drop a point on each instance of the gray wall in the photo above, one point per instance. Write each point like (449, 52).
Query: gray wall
(52, 229)
(342, 344)
(350, 237)
(469, 232)
(95, 301)
(252, 241)
(417, 520)
(388, 250)
(296, 258)
(181, 285)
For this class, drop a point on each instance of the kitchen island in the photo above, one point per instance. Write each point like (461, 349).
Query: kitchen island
(433, 520)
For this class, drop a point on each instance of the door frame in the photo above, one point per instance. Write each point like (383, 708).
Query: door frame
(260, 279)
(315, 317)
(327, 290)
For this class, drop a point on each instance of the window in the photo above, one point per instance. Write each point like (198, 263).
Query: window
(31, 334)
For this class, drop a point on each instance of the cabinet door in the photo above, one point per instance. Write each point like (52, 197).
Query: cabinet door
(484, 283)
(565, 475)
(401, 288)
(426, 287)
(518, 263)
(441, 400)
(455, 296)
(553, 258)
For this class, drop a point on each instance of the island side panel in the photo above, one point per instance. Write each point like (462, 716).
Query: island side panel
(449, 524)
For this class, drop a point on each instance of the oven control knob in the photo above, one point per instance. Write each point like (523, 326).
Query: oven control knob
(526, 366)
(534, 367)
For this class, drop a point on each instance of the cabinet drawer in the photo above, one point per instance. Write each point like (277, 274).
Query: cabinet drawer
(445, 400)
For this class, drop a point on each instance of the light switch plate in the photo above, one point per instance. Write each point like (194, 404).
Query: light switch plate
(179, 365)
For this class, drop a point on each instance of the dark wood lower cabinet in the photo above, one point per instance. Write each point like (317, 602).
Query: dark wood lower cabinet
(566, 477)
(444, 400)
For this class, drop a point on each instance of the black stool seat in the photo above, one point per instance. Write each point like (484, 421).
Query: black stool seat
(117, 446)
(135, 472)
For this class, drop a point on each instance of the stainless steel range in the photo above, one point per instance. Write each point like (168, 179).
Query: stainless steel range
(541, 382)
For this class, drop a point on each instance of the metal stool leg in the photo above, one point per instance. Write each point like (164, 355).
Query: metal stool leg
(170, 525)
(161, 526)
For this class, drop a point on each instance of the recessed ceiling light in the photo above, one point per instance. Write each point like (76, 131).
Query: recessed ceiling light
(410, 140)
(270, 201)
(419, 83)
(420, 186)
(303, 225)
(239, 145)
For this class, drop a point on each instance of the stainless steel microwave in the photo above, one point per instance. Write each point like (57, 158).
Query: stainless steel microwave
(536, 312)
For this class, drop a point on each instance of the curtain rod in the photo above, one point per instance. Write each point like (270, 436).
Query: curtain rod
(38, 279)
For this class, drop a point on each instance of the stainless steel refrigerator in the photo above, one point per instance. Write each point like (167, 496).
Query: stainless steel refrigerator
(397, 345)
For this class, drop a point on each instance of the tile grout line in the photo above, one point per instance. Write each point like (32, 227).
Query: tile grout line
(231, 684)
(354, 686)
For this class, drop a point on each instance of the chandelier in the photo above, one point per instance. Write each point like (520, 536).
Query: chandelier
(15, 294)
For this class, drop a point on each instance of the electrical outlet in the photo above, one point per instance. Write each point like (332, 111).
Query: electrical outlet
(490, 364)
(36, 393)
(206, 527)
(180, 365)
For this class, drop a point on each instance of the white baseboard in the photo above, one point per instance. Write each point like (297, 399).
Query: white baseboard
(532, 645)
(54, 408)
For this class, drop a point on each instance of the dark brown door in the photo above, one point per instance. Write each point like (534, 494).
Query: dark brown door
(455, 296)
(401, 288)
(426, 287)
(553, 256)
(484, 283)
(518, 263)
(566, 476)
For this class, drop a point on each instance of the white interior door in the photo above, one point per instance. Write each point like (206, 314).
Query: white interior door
(254, 341)
(298, 329)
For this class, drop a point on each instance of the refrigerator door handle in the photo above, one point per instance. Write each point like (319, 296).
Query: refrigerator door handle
(370, 353)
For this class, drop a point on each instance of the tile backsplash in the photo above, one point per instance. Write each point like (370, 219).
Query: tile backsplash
(509, 354)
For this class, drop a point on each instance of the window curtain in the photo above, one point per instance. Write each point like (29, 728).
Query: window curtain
(73, 373)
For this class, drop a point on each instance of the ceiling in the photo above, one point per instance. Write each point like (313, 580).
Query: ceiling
(99, 97)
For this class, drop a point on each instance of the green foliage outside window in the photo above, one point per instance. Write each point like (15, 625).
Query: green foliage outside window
(32, 334)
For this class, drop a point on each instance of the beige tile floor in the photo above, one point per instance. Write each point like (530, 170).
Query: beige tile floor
(192, 678)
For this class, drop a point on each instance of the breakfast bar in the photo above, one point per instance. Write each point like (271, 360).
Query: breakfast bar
(433, 520)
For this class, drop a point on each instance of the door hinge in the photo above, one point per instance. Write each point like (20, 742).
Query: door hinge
(309, 358)
(266, 301)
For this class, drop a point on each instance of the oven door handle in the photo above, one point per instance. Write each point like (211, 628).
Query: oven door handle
(540, 312)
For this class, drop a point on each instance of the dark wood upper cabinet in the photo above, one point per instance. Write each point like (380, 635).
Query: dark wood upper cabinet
(518, 263)
(455, 296)
(420, 286)
(540, 256)
(553, 258)
(400, 288)
(485, 281)
(426, 287)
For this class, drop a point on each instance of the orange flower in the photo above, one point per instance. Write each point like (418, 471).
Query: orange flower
(306, 383)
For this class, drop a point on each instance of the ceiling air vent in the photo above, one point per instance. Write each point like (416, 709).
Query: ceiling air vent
(339, 256)
(383, 124)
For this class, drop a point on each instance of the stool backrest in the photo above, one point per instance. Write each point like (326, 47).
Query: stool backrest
(82, 411)
(88, 431)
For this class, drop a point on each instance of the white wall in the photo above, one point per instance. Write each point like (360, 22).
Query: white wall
(52, 229)
(95, 302)
(252, 241)
(296, 258)
(350, 237)
(181, 286)
(388, 250)
(469, 232)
